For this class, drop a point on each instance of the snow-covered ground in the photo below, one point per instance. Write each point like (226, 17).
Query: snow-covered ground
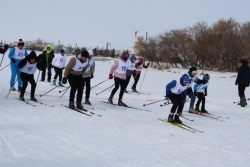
(44, 136)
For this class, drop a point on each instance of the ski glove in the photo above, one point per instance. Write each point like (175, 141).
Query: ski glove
(166, 97)
(148, 64)
(110, 76)
(13, 60)
(91, 76)
(64, 81)
(205, 94)
(6, 47)
(204, 81)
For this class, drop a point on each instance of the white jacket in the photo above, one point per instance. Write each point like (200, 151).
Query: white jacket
(59, 61)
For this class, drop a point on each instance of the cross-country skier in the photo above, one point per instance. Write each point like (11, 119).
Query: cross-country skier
(48, 57)
(130, 71)
(2, 51)
(58, 63)
(88, 75)
(119, 69)
(16, 54)
(200, 91)
(243, 80)
(28, 67)
(137, 72)
(73, 72)
(176, 91)
(192, 78)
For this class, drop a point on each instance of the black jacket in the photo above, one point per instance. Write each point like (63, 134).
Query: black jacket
(50, 58)
(243, 77)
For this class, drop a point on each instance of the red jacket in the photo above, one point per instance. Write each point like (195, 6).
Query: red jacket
(3, 50)
(138, 68)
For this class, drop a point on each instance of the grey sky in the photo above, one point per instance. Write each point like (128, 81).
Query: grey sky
(93, 23)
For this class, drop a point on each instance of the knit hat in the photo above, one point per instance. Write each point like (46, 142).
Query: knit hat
(184, 80)
(20, 43)
(132, 58)
(85, 53)
(125, 55)
(32, 55)
(141, 59)
(61, 51)
(192, 69)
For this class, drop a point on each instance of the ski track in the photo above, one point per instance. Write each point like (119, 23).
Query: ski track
(56, 136)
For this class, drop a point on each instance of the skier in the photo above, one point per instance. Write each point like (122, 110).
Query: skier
(73, 72)
(176, 91)
(48, 57)
(16, 54)
(192, 78)
(58, 63)
(2, 51)
(243, 80)
(88, 75)
(130, 70)
(200, 90)
(29, 65)
(137, 72)
(119, 69)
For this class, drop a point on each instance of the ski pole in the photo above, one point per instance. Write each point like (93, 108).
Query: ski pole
(99, 83)
(2, 60)
(10, 90)
(60, 91)
(4, 67)
(105, 89)
(153, 102)
(240, 101)
(142, 81)
(65, 91)
(48, 91)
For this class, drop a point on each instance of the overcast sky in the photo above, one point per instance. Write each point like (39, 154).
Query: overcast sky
(94, 22)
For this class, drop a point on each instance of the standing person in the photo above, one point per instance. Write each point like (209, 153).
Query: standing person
(243, 80)
(130, 71)
(2, 51)
(87, 76)
(73, 72)
(16, 54)
(200, 90)
(48, 57)
(58, 63)
(192, 78)
(119, 69)
(29, 65)
(176, 91)
(137, 72)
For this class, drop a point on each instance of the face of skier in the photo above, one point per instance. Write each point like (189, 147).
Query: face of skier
(32, 61)
(239, 64)
(84, 59)
(193, 73)
(20, 47)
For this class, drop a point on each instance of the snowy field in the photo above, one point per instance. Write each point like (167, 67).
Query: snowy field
(44, 136)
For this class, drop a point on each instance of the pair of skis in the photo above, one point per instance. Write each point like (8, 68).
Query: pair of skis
(182, 126)
(125, 106)
(82, 111)
(34, 102)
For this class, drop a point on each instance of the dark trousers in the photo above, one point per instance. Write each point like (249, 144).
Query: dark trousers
(241, 89)
(136, 78)
(201, 99)
(44, 72)
(25, 79)
(121, 83)
(177, 101)
(127, 81)
(75, 82)
(87, 82)
(58, 72)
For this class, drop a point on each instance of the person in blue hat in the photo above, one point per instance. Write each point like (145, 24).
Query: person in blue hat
(176, 91)
(130, 71)
(59, 63)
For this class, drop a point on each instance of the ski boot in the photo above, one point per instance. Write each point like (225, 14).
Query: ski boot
(79, 105)
(33, 98)
(21, 97)
(12, 88)
(71, 104)
(125, 91)
(197, 109)
(134, 90)
(19, 89)
(48, 80)
(54, 82)
(87, 101)
(191, 110)
(60, 84)
(177, 119)
(170, 118)
(120, 103)
(111, 99)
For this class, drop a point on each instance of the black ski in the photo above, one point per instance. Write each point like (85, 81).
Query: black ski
(27, 102)
(76, 109)
(126, 107)
(41, 103)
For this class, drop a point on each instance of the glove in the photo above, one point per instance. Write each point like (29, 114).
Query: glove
(64, 81)
(13, 60)
(236, 83)
(6, 47)
(91, 76)
(166, 97)
(148, 64)
(205, 93)
(110, 76)
(139, 63)
(204, 81)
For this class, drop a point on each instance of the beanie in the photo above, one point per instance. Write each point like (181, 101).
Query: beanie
(61, 51)
(32, 55)
(192, 69)
(141, 59)
(20, 42)
(85, 53)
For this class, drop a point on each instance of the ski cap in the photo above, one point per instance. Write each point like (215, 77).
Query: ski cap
(20, 43)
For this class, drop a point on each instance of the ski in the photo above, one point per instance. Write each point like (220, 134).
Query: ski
(178, 125)
(27, 102)
(121, 107)
(41, 103)
(191, 127)
(186, 118)
(208, 116)
(76, 109)
(126, 106)
(93, 107)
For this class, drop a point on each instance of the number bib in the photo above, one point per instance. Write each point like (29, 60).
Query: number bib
(18, 54)
(29, 68)
(122, 67)
(131, 65)
(178, 89)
